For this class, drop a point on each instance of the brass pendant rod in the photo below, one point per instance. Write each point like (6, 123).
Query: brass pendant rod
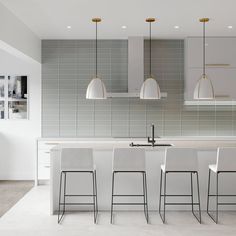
(150, 44)
(96, 20)
(204, 48)
(96, 45)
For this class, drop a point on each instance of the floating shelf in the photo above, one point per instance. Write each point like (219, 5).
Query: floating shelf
(210, 103)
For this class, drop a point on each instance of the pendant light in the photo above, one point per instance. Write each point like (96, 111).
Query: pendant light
(96, 88)
(204, 88)
(150, 88)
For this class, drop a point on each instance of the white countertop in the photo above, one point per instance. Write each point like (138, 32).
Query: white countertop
(109, 145)
(166, 138)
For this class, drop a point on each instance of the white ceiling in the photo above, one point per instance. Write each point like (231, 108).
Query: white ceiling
(49, 18)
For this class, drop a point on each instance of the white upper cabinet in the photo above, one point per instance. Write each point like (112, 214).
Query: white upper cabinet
(223, 80)
(219, 52)
(220, 65)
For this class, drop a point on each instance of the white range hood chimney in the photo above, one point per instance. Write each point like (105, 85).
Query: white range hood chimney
(135, 68)
(135, 64)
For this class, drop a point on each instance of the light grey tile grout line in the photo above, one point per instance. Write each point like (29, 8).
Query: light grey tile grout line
(163, 119)
(42, 97)
(129, 118)
(111, 119)
(145, 106)
(232, 118)
(94, 118)
(215, 118)
(110, 88)
(77, 96)
(59, 97)
(181, 111)
(198, 118)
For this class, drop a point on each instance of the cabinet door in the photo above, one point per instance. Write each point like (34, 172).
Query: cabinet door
(220, 52)
(43, 164)
(43, 172)
(223, 80)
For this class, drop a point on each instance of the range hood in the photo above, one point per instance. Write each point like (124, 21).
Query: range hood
(135, 68)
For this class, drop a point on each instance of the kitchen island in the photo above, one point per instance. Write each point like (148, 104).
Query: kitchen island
(127, 184)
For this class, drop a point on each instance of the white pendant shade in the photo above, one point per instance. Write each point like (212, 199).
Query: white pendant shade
(96, 89)
(150, 89)
(204, 89)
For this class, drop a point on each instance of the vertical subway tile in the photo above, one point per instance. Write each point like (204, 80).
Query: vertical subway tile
(69, 65)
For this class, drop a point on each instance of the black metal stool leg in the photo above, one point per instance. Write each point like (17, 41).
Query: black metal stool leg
(64, 200)
(217, 179)
(113, 176)
(199, 200)
(164, 195)
(191, 174)
(160, 198)
(94, 204)
(208, 189)
(59, 202)
(146, 202)
(198, 203)
(209, 195)
(96, 194)
(144, 196)
(164, 213)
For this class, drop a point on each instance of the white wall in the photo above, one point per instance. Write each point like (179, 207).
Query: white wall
(18, 138)
(15, 34)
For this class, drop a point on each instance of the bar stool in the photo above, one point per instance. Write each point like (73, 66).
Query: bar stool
(180, 160)
(77, 160)
(129, 160)
(226, 163)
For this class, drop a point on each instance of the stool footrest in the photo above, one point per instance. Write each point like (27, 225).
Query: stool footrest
(181, 203)
(126, 195)
(131, 203)
(81, 203)
(185, 195)
(226, 203)
(215, 195)
(80, 195)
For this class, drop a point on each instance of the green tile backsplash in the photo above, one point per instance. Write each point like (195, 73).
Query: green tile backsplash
(68, 66)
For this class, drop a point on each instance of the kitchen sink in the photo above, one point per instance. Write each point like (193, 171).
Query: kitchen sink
(150, 145)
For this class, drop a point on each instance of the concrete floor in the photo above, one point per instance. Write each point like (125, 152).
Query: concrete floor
(11, 192)
(30, 216)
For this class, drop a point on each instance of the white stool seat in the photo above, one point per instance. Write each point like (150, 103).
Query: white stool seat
(226, 160)
(129, 159)
(180, 159)
(213, 168)
(77, 159)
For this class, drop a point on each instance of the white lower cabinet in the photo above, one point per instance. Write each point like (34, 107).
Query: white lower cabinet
(43, 161)
(43, 164)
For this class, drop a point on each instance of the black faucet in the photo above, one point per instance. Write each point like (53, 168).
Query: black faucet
(152, 140)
